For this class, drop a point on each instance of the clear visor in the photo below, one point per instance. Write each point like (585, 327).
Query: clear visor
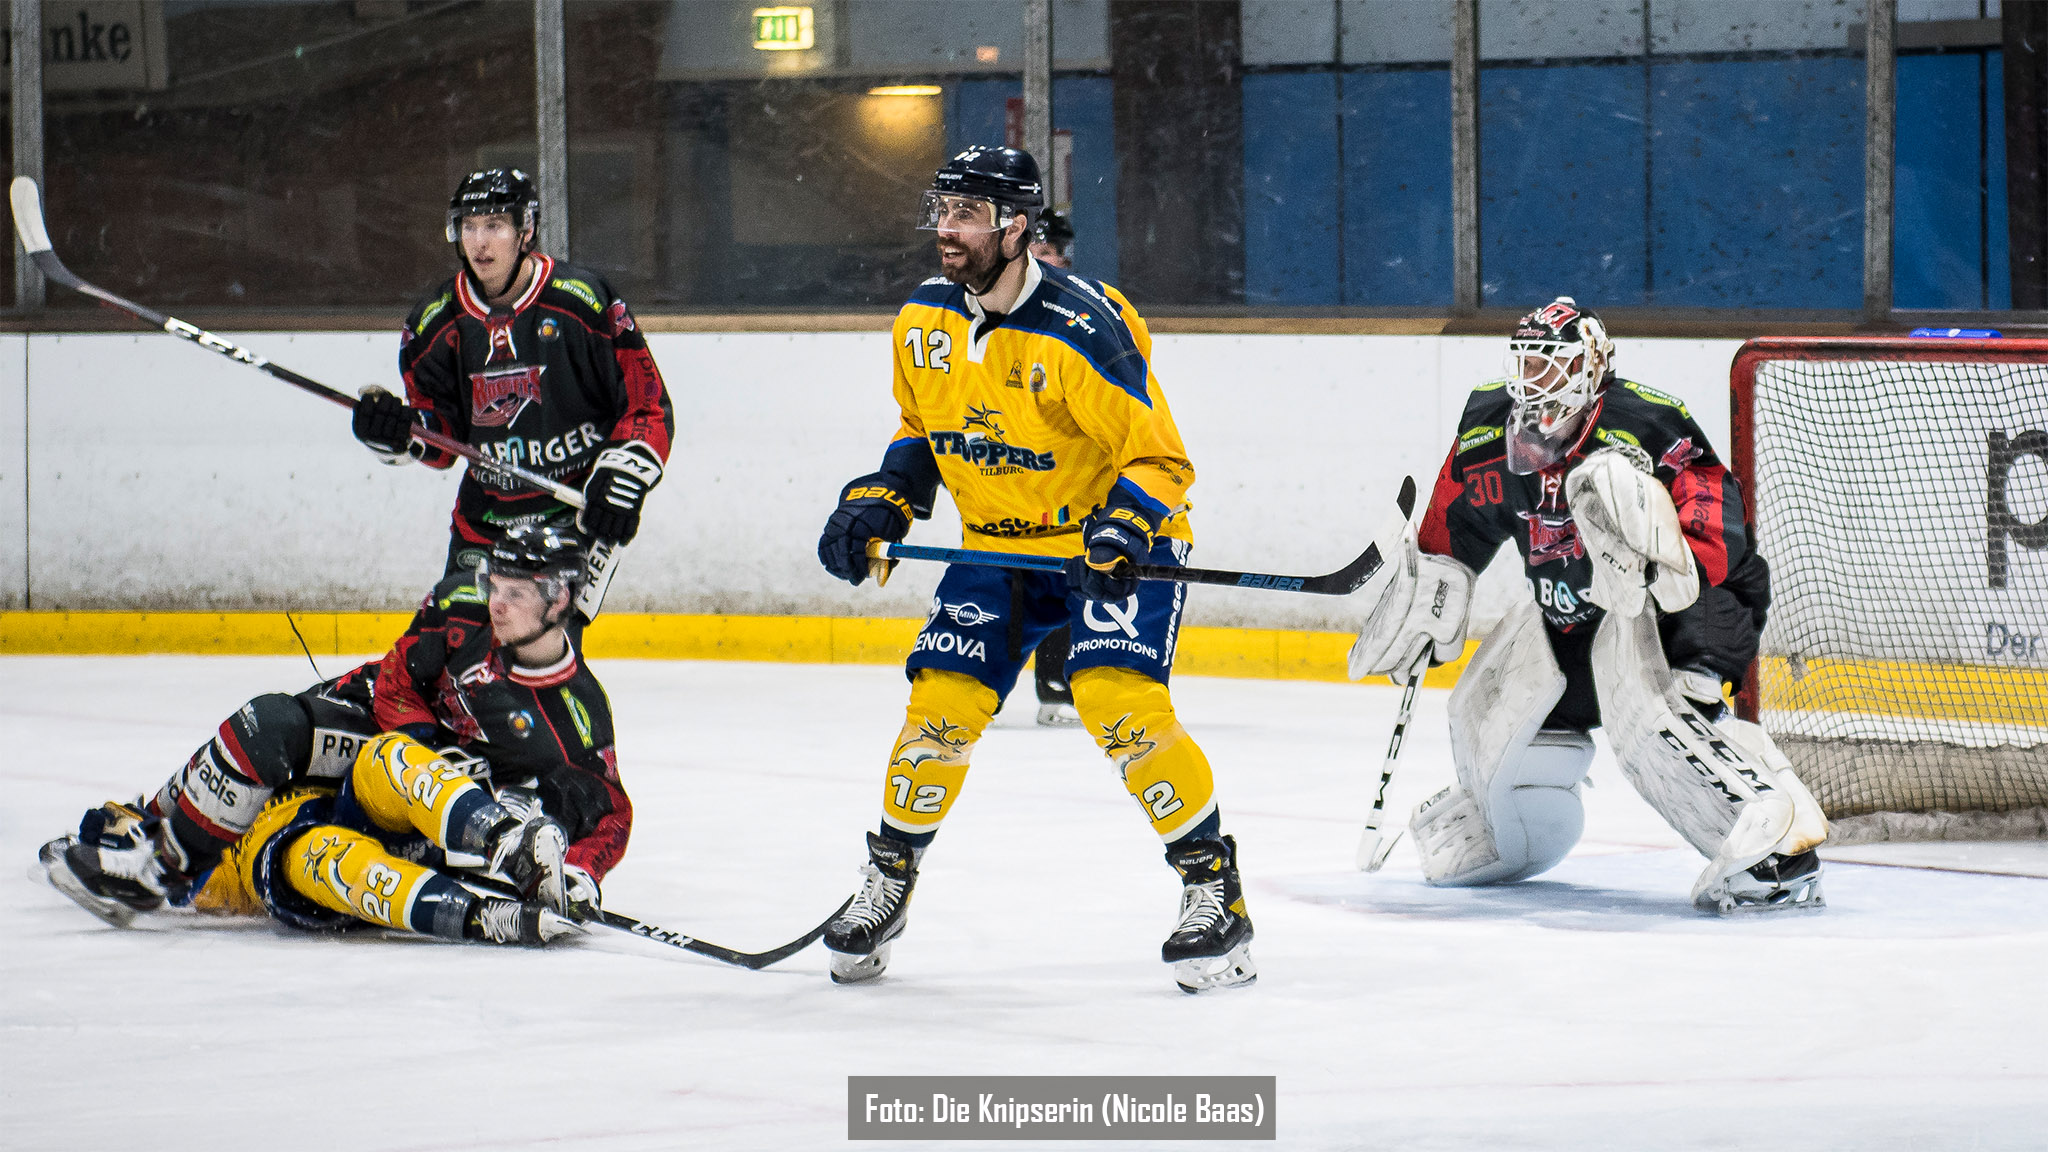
(962, 214)
(455, 218)
(539, 589)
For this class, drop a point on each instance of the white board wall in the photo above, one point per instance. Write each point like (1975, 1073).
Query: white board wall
(149, 474)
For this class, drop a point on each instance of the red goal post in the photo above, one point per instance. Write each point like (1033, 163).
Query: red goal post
(1899, 489)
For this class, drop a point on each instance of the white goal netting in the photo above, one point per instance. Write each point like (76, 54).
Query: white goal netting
(1901, 498)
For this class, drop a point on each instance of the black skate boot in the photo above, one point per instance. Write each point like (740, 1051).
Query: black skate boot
(1211, 948)
(528, 924)
(115, 868)
(1775, 883)
(859, 937)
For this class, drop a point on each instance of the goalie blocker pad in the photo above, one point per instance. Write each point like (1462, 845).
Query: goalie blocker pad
(1515, 810)
(1724, 787)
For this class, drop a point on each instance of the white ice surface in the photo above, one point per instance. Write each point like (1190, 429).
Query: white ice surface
(1592, 1008)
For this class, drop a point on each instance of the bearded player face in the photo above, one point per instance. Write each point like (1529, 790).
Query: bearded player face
(969, 243)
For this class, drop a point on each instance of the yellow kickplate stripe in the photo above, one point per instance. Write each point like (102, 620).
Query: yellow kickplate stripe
(1978, 693)
(1243, 652)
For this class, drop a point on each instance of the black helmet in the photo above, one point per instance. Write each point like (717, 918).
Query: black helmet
(491, 191)
(1007, 176)
(1054, 229)
(543, 553)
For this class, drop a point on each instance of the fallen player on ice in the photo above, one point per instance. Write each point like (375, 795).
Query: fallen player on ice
(331, 809)
(1640, 561)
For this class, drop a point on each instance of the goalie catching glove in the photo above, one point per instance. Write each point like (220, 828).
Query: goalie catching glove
(619, 482)
(1630, 530)
(1421, 612)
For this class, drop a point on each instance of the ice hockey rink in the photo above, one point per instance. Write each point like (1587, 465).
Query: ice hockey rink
(1592, 1008)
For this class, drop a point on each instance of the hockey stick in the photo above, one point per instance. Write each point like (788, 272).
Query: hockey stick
(754, 961)
(35, 239)
(1372, 853)
(882, 556)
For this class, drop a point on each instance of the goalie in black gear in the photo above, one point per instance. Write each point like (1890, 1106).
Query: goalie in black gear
(332, 808)
(1647, 597)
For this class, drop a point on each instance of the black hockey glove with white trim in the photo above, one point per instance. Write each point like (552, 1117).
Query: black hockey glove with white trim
(619, 482)
(384, 424)
(870, 508)
(1117, 537)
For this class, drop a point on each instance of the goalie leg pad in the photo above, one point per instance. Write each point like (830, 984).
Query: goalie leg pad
(1515, 810)
(1131, 717)
(1724, 788)
(947, 714)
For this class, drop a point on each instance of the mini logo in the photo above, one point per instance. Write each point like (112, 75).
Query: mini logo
(549, 329)
(521, 723)
(1016, 377)
(1038, 377)
(498, 396)
(968, 614)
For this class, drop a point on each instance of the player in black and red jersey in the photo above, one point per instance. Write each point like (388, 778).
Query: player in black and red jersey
(1647, 595)
(332, 808)
(534, 362)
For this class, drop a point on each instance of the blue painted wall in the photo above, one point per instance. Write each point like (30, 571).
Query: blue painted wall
(1752, 198)
(1081, 105)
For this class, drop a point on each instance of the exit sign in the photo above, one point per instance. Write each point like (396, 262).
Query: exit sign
(783, 29)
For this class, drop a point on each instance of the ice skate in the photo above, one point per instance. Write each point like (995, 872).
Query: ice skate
(1211, 947)
(527, 924)
(112, 868)
(1058, 715)
(527, 849)
(859, 938)
(1777, 883)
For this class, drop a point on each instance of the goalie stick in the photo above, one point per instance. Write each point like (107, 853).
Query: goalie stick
(754, 961)
(882, 557)
(27, 201)
(1372, 852)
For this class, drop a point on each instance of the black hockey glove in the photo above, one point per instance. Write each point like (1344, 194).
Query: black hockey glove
(870, 508)
(619, 481)
(384, 424)
(1117, 537)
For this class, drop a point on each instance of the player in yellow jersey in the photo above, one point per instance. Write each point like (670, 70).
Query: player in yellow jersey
(1028, 392)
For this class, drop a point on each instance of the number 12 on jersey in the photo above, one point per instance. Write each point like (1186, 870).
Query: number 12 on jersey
(939, 343)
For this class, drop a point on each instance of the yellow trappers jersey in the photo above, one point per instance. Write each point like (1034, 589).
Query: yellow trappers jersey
(1035, 416)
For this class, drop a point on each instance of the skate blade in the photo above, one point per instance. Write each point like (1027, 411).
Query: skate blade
(58, 871)
(1053, 716)
(1801, 898)
(1233, 969)
(851, 969)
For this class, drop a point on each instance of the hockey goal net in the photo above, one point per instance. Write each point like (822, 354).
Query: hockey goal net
(1899, 489)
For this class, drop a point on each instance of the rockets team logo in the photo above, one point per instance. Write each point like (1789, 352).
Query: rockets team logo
(1681, 455)
(1552, 537)
(497, 396)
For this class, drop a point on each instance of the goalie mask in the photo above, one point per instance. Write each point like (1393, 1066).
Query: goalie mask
(1557, 364)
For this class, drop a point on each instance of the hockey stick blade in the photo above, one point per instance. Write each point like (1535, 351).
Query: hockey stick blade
(1342, 582)
(27, 203)
(753, 961)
